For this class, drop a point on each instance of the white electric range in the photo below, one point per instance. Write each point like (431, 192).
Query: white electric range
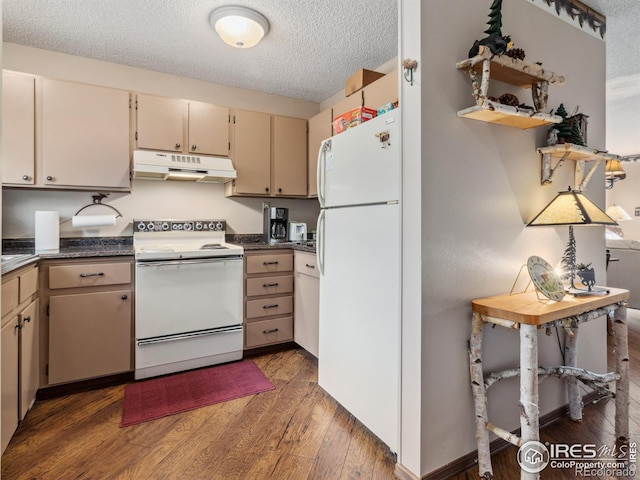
(189, 287)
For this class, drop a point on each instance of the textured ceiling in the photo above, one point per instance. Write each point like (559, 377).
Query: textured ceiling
(313, 45)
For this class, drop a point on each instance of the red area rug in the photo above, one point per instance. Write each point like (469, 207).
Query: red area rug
(159, 397)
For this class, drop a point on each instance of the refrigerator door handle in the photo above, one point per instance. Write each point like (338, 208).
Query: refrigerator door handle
(320, 241)
(322, 157)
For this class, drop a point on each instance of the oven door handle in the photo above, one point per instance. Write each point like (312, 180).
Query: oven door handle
(169, 263)
(188, 335)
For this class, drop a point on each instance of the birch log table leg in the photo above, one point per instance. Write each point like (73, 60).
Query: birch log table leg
(621, 351)
(529, 413)
(573, 387)
(479, 398)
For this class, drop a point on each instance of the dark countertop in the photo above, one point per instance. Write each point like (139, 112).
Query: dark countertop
(76, 247)
(253, 241)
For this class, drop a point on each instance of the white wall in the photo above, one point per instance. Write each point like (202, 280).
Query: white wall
(147, 199)
(480, 186)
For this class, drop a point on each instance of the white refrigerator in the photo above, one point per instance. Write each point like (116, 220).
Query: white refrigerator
(359, 255)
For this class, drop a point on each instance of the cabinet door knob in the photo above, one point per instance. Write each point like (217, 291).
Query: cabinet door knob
(193, 147)
(279, 190)
(49, 178)
(177, 146)
(26, 178)
(266, 189)
(124, 297)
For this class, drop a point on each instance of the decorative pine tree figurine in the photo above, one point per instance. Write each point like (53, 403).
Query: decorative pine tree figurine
(564, 130)
(495, 19)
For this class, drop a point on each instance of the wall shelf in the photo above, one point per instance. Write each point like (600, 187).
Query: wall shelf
(578, 153)
(515, 72)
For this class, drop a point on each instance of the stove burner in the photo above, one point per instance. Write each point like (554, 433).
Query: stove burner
(213, 246)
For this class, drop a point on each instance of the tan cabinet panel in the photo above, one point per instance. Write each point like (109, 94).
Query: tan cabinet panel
(160, 123)
(320, 128)
(10, 295)
(269, 263)
(289, 142)
(269, 285)
(306, 263)
(28, 283)
(89, 275)
(84, 135)
(9, 381)
(267, 332)
(208, 129)
(89, 335)
(252, 152)
(29, 357)
(382, 91)
(18, 129)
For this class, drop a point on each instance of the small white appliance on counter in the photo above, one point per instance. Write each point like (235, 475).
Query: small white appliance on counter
(297, 232)
(358, 250)
(189, 287)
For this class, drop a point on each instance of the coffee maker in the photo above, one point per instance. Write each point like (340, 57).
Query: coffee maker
(275, 220)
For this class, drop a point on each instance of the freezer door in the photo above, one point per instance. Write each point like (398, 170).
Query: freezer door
(362, 165)
(359, 329)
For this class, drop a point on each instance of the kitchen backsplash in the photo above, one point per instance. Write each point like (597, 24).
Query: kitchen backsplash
(147, 199)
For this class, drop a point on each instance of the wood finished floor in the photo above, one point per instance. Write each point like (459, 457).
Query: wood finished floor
(295, 432)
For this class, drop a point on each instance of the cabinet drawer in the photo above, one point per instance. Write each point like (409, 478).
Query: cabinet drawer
(89, 275)
(269, 285)
(269, 263)
(10, 295)
(28, 284)
(266, 332)
(306, 264)
(266, 307)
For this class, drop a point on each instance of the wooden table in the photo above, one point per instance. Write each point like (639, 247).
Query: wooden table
(526, 312)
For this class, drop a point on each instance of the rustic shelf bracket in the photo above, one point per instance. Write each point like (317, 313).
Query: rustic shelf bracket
(547, 169)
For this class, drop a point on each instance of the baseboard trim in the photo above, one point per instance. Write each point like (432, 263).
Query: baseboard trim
(464, 463)
(403, 474)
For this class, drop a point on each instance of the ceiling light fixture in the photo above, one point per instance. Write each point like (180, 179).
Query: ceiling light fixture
(238, 26)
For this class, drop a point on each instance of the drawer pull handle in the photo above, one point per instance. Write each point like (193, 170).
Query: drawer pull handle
(270, 263)
(309, 266)
(99, 274)
(273, 330)
(267, 285)
(18, 326)
(275, 305)
(27, 319)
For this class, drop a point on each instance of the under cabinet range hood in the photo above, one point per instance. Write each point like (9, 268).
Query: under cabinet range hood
(153, 165)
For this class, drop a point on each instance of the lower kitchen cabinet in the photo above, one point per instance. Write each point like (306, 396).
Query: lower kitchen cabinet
(19, 355)
(90, 318)
(306, 312)
(268, 297)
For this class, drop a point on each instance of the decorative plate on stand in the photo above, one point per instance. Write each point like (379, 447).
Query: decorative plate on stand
(545, 279)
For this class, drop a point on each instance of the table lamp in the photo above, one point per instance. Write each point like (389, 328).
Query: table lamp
(572, 208)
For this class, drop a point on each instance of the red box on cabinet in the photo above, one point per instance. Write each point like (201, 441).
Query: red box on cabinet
(352, 118)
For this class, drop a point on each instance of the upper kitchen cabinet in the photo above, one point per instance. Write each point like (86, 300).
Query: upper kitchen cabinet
(320, 127)
(82, 136)
(18, 129)
(182, 126)
(269, 154)
(289, 156)
(382, 91)
(251, 154)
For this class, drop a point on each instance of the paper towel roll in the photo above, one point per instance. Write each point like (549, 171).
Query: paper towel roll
(47, 230)
(93, 221)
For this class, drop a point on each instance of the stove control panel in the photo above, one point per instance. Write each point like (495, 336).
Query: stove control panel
(179, 225)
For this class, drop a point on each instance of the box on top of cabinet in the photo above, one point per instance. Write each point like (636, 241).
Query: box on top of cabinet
(360, 79)
(352, 118)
